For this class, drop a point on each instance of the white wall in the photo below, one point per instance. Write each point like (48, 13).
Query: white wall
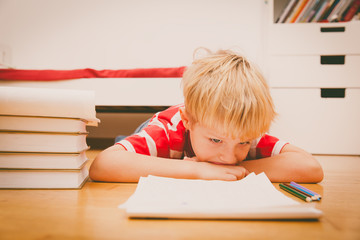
(67, 34)
(113, 34)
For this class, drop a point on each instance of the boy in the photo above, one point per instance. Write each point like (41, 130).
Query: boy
(218, 133)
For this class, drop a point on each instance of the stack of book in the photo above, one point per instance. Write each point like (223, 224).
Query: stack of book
(297, 11)
(43, 137)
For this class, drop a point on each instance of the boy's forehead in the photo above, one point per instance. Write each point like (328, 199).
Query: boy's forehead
(211, 130)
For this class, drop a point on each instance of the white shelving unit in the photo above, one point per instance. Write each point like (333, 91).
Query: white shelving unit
(314, 74)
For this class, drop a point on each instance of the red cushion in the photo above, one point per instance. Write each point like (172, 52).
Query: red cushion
(51, 75)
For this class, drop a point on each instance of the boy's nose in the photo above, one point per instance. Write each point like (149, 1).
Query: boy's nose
(228, 157)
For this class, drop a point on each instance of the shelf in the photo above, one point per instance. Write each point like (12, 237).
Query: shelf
(313, 71)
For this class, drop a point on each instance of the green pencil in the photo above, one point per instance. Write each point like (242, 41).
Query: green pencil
(295, 193)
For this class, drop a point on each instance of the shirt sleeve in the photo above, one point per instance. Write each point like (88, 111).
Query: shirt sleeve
(144, 141)
(163, 137)
(266, 146)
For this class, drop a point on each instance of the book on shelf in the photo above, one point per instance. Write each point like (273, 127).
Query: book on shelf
(293, 11)
(43, 179)
(338, 10)
(329, 9)
(300, 7)
(26, 160)
(286, 11)
(45, 142)
(313, 9)
(306, 11)
(300, 11)
(320, 11)
(352, 10)
(253, 197)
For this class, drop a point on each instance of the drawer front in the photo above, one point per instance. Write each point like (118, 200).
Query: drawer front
(314, 71)
(319, 125)
(315, 38)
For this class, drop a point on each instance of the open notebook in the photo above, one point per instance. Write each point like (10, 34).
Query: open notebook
(253, 197)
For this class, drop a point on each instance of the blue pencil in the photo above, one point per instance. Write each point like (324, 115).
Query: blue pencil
(308, 191)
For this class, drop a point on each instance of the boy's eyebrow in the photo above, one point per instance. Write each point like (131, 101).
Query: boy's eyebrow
(214, 134)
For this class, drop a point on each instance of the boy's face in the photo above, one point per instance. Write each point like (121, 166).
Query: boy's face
(212, 146)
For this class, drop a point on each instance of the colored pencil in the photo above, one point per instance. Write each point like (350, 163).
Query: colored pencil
(299, 190)
(295, 193)
(302, 192)
(306, 192)
(304, 189)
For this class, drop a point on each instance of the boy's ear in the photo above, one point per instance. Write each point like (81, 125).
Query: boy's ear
(185, 117)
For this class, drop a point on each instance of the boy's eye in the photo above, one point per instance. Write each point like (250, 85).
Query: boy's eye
(214, 140)
(244, 143)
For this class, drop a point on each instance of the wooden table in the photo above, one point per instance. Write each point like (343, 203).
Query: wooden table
(92, 213)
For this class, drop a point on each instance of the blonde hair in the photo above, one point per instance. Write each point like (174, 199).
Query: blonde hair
(224, 91)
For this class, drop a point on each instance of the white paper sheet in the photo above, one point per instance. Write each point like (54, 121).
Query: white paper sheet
(253, 197)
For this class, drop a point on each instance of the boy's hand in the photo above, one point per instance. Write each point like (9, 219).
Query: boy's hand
(210, 171)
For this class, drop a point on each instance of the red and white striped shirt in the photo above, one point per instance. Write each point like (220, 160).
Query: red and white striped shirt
(165, 136)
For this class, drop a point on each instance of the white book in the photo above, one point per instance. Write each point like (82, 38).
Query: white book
(253, 197)
(43, 124)
(13, 160)
(43, 179)
(48, 102)
(22, 141)
(286, 11)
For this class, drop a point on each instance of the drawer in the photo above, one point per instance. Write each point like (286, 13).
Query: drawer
(318, 125)
(314, 71)
(315, 38)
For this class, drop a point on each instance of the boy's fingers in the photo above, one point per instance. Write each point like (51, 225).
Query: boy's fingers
(241, 173)
(230, 177)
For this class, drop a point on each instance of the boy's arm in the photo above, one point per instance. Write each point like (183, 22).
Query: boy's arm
(115, 164)
(292, 164)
